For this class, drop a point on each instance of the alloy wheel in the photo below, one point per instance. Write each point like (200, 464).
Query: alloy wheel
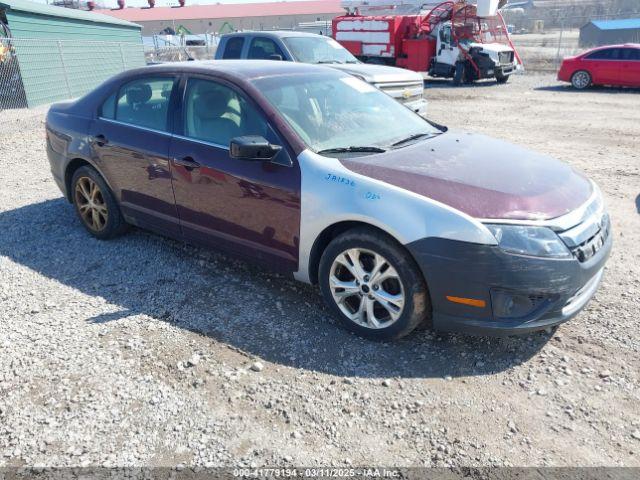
(366, 288)
(91, 205)
(581, 80)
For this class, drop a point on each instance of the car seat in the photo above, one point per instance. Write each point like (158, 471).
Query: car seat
(206, 115)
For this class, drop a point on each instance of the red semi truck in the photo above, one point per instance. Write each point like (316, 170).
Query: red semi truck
(454, 39)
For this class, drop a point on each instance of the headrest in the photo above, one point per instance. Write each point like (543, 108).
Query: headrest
(139, 94)
(211, 104)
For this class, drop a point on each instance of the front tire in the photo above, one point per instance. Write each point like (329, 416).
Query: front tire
(372, 285)
(581, 80)
(502, 79)
(459, 75)
(95, 204)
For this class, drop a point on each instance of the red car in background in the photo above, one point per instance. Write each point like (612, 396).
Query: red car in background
(617, 65)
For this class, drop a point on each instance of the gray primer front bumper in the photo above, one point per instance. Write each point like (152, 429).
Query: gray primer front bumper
(460, 269)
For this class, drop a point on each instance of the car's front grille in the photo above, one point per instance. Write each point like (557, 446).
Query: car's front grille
(505, 57)
(587, 238)
(405, 92)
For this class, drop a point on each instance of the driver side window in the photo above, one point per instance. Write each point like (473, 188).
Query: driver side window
(445, 35)
(263, 48)
(215, 113)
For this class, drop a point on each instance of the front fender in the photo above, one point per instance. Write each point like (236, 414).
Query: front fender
(332, 194)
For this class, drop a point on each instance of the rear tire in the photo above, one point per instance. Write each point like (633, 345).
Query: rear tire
(372, 285)
(95, 204)
(581, 80)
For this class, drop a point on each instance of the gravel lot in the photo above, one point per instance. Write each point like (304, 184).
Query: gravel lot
(143, 351)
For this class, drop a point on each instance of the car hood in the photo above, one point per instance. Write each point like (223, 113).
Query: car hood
(378, 73)
(491, 47)
(480, 176)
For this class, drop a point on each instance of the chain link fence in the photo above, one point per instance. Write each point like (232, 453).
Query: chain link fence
(178, 53)
(39, 71)
(542, 46)
(12, 93)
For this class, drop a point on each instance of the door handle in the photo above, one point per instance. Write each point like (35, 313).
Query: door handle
(186, 162)
(100, 140)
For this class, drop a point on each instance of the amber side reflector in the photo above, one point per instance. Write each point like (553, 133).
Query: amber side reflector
(472, 302)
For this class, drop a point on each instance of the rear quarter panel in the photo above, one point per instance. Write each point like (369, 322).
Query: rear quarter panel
(567, 69)
(67, 139)
(594, 67)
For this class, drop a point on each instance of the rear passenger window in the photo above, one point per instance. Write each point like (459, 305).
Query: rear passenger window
(233, 50)
(606, 54)
(263, 48)
(108, 108)
(144, 103)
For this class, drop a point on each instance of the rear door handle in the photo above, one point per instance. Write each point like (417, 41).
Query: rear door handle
(100, 140)
(187, 162)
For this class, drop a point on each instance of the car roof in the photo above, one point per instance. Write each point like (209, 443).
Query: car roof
(620, 45)
(272, 34)
(245, 70)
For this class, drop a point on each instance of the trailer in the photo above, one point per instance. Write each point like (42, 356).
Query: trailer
(453, 39)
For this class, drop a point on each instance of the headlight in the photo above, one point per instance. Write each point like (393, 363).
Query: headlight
(525, 240)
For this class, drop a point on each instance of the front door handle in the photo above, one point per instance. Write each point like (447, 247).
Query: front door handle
(187, 162)
(100, 140)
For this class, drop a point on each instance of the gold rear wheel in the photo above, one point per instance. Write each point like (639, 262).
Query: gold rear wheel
(91, 204)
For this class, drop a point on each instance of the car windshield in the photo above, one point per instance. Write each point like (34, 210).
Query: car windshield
(318, 50)
(331, 111)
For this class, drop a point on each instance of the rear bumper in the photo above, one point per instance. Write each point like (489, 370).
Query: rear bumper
(561, 287)
(55, 162)
(563, 77)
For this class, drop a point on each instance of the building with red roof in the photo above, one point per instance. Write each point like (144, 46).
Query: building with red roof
(200, 19)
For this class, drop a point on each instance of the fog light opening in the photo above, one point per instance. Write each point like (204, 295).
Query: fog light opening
(512, 305)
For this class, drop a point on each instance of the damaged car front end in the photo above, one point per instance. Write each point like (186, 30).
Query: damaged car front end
(539, 275)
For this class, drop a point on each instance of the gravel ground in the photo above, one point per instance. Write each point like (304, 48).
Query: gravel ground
(143, 351)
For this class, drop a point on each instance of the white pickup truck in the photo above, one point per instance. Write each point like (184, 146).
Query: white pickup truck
(405, 86)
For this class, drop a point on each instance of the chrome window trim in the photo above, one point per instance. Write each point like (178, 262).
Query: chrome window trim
(119, 122)
(173, 135)
(602, 60)
(202, 142)
(593, 206)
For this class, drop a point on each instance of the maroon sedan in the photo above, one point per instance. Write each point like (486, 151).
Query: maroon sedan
(322, 176)
(617, 65)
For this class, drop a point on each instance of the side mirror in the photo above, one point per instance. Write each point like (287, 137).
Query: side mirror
(276, 57)
(253, 147)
